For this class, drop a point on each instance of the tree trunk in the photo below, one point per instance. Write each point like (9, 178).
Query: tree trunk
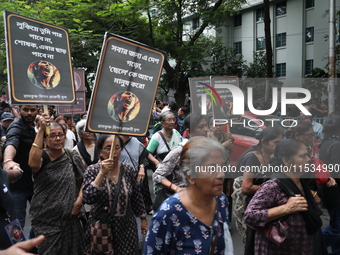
(269, 51)
(181, 91)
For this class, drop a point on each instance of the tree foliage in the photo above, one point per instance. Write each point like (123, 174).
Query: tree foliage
(258, 68)
(87, 21)
(160, 24)
(226, 61)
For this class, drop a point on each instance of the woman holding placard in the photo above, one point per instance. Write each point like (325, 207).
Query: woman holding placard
(57, 200)
(102, 181)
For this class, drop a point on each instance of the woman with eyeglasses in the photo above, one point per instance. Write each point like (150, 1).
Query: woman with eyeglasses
(165, 139)
(168, 176)
(57, 200)
(70, 137)
(100, 186)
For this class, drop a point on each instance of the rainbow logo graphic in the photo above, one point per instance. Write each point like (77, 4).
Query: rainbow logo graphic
(210, 94)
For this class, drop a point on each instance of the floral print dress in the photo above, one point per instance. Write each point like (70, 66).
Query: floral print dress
(174, 230)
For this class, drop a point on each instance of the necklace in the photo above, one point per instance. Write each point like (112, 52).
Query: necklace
(166, 134)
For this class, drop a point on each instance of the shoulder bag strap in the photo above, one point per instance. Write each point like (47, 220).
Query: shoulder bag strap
(115, 200)
(75, 170)
(166, 143)
(69, 154)
(169, 177)
(286, 189)
(213, 246)
(109, 193)
(132, 161)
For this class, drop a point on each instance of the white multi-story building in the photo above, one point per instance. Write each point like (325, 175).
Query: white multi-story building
(298, 32)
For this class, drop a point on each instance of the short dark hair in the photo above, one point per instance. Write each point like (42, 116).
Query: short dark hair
(102, 138)
(173, 106)
(68, 116)
(184, 109)
(286, 149)
(302, 127)
(267, 134)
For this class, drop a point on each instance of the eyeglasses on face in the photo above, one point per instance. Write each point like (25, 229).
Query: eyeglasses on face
(54, 136)
(108, 148)
(29, 109)
(170, 120)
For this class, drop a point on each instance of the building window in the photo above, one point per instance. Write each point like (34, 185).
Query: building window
(195, 23)
(281, 70)
(260, 14)
(281, 40)
(309, 4)
(309, 66)
(310, 34)
(260, 43)
(238, 20)
(238, 47)
(281, 9)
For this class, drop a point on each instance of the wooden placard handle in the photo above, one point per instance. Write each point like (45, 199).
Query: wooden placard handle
(113, 146)
(47, 131)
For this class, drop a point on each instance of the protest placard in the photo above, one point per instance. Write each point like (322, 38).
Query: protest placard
(224, 109)
(200, 88)
(80, 103)
(126, 85)
(38, 61)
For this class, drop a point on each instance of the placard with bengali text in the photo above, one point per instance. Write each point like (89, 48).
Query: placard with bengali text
(126, 85)
(38, 61)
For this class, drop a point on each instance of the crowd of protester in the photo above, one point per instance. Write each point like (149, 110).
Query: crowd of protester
(74, 179)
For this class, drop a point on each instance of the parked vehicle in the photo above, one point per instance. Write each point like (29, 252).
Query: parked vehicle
(246, 130)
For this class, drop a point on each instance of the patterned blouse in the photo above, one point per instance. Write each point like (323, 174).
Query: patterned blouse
(268, 196)
(170, 165)
(130, 205)
(174, 230)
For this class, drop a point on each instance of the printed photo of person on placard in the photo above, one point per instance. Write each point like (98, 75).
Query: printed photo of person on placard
(209, 105)
(43, 74)
(123, 106)
(227, 108)
(77, 80)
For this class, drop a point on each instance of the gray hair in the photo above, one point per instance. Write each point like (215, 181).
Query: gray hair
(196, 151)
(79, 127)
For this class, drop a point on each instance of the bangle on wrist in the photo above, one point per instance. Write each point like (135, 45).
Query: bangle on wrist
(315, 193)
(36, 146)
(7, 160)
(170, 186)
